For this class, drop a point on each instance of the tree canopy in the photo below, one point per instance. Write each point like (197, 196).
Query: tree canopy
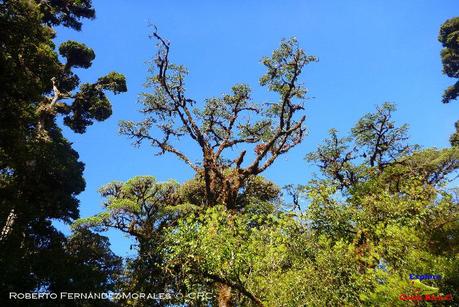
(449, 38)
(40, 173)
(221, 124)
(378, 210)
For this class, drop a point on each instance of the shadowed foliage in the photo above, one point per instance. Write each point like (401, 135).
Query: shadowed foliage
(40, 173)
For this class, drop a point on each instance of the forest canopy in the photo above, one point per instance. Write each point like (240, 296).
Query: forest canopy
(377, 224)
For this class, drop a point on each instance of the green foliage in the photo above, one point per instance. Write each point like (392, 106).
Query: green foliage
(454, 138)
(91, 103)
(40, 173)
(375, 142)
(282, 69)
(147, 210)
(376, 133)
(134, 206)
(77, 54)
(141, 208)
(449, 37)
(359, 250)
(221, 246)
(66, 12)
(114, 82)
(352, 246)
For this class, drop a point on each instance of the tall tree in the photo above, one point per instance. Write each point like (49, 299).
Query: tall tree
(40, 174)
(449, 38)
(223, 124)
(220, 125)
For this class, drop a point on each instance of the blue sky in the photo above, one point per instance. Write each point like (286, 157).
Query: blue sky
(369, 52)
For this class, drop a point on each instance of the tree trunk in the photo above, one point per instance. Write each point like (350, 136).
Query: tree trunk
(224, 295)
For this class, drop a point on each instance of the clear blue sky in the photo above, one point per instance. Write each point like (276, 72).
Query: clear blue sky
(369, 52)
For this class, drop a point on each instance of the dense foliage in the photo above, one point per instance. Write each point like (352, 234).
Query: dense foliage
(379, 210)
(449, 38)
(40, 173)
(357, 242)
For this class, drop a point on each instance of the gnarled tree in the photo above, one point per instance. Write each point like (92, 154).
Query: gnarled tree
(218, 126)
(375, 143)
(225, 123)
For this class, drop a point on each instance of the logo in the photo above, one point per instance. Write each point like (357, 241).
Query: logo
(424, 292)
